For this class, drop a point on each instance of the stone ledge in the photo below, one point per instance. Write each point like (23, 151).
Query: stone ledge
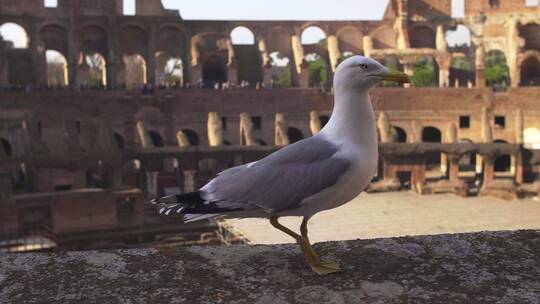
(487, 267)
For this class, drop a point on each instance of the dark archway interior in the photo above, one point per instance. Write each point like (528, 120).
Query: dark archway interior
(260, 142)
(531, 34)
(422, 37)
(324, 120)
(192, 137)
(432, 135)
(502, 163)
(157, 140)
(294, 135)
(214, 71)
(119, 140)
(399, 135)
(530, 72)
(6, 146)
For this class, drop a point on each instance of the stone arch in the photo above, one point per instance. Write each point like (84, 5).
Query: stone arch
(462, 71)
(192, 137)
(350, 39)
(169, 70)
(214, 71)
(95, 40)
(54, 37)
(531, 34)
(156, 139)
(318, 70)
(496, 72)
(16, 34)
(281, 70)
(312, 34)
(57, 72)
(432, 135)
(134, 40)
(279, 39)
(135, 70)
(530, 71)
(6, 146)
(92, 70)
(426, 72)
(242, 35)
(422, 36)
(294, 134)
(503, 163)
(171, 40)
(398, 135)
(384, 37)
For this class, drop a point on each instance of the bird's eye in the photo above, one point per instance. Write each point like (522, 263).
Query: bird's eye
(364, 66)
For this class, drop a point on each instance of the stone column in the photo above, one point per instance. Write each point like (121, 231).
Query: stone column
(232, 70)
(182, 139)
(144, 138)
(451, 138)
(368, 45)
(281, 136)
(333, 51)
(480, 67)
(215, 131)
(441, 44)
(246, 130)
(265, 63)
(298, 54)
(487, 137)
(314, 122)
(196, 68)
(383, 125)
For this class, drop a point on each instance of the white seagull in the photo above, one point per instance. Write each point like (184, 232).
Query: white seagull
(315, 174)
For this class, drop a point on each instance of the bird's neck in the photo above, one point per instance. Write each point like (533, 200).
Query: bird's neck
(352, 120)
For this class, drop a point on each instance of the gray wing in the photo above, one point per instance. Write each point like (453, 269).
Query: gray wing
(281, 180)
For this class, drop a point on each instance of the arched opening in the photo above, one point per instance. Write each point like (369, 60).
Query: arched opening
(313, 35)
(425, 72)
(531, 34)
(119, 140)
(350, 40)
(6, 146)
(503, 163)
(461, 71)
(318, 70)
(432, 135)
(15, 34)
(192, 137)
(97, 70)
(242, 35)
(294, 135)
(281, 70)
(169, 70)
(460, 37)
(214, 71)
(57, 73)
(530, 72)
(496, 72)
(156, 139)
(398, 135)
(422, 37)
(135, 72)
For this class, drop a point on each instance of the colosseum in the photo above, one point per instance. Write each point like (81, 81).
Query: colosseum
(101, 111)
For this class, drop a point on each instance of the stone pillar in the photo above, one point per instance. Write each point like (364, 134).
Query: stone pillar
(518, 129)
(402, 36)
(281, 136)
(144, 138)
(384, 128)
(416, 132)
(196, 68)
(246, 130)
(215, 130)
(182, 139)
(518, 168)
(368, 45)
(442, 45)
(514, 44)
(451, 138)
(480, 67)
(265, 63)
(489, 170)
(333, 51)
(298, 54)
(485, 127)
(314, 122)
(444, 61)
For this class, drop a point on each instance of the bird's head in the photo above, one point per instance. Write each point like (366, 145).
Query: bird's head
(360, 73)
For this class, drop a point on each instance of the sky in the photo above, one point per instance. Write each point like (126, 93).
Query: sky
(259, 10)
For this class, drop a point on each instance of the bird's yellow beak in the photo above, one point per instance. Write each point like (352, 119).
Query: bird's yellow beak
(396, 76)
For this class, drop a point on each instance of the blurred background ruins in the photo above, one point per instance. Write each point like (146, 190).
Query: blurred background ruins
(105, 104)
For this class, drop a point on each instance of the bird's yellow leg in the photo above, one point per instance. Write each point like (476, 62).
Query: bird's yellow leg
(321, 268)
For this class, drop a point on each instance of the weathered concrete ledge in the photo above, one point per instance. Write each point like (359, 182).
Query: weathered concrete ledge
(488, 267)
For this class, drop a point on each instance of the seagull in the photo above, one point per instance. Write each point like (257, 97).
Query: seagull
(318, 173)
